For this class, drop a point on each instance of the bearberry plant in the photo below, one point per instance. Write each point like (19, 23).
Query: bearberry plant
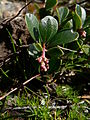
(60, 53)
(59, 29)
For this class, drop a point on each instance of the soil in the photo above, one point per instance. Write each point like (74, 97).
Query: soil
(18, 30)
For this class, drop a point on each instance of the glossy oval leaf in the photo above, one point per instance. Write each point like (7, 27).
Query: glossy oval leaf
(81, 12)
(62, 14)
(50, 4)
(87, 22)
(87, 30)
(48, 28)
(32, 25)
(63, 37)
(77, 23)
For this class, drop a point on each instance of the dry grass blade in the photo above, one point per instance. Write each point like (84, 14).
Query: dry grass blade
(27, 81)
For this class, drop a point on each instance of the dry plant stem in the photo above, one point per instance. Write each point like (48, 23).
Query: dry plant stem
(27, 81)
(84, 97)
(66, 49)
(30, 107)
(81, 2)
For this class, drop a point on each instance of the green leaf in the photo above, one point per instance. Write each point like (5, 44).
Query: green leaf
(63, 37)
(68, 25)
(48, 28)
(38, 46)
(50, 4)
(86, 49)
(34, 49)
(54, 65)
(79, 17)
(55, 52)
(87, 30)
(87, 22)
(43, 12)
(81, 12)
(1, 103)
(32, 25)
(12, 41)
(62, 14)
(77, 21)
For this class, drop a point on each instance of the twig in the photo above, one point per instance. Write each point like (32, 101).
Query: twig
(81, 2)
(27, 81)
(84, 97)
(34, 107)
(6, 21)
(24, 46)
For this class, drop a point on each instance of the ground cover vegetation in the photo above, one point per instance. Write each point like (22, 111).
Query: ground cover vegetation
(49, 78)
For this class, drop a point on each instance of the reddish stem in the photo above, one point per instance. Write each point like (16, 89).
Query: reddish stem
(43, 52)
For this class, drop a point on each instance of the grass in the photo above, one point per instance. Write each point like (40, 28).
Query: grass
(44, 106)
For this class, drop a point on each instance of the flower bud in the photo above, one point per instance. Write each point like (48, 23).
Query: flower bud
(43, 68)
(42, 63)
(39, 59)
(46, 60)
(47, 66)
(83, 34)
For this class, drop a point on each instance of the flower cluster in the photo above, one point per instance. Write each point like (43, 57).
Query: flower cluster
(44, 63)
(43, 60)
